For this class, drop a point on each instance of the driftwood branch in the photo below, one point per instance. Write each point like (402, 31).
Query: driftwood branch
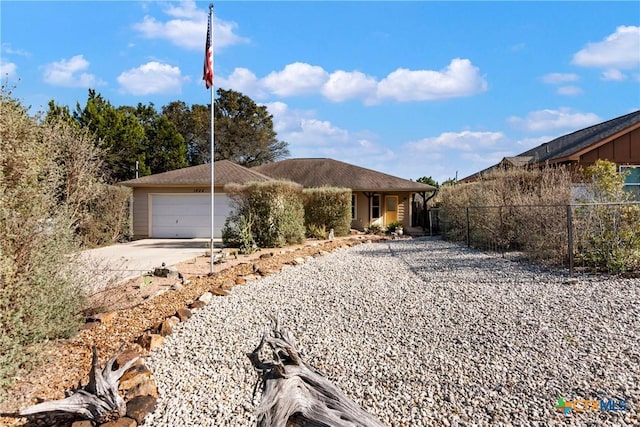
(98, 398)
(295, 394)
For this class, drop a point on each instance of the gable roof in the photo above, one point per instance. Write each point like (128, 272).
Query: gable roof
(225, 172)
(517, 161)
(321, 172)
(572, 143)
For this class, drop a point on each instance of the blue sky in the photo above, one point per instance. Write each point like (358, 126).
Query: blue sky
(407, 88)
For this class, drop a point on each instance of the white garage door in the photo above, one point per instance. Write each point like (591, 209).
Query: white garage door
(188, 216)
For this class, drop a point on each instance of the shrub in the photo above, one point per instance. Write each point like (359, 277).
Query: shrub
(275, 209)
(328, 208)
(41, 200)
(392, 227)
(316, 231)
(237, 234)
(100, 212)
(608, 235)
(107, 219)
(515, 209)
(374, 228)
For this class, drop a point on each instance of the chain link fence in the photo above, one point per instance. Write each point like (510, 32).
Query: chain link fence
(599, 237)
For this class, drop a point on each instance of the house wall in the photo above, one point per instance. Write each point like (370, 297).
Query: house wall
(362, 210)
(141, 207)
(141, 204)
(624, 150)
(362, 219)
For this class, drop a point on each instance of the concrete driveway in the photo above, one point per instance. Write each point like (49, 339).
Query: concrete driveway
(117, 263)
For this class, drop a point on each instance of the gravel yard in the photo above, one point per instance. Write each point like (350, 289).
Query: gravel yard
(419, 332)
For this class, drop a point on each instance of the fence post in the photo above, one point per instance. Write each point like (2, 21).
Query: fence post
(468, 230)
(430, 224)
(570, 237)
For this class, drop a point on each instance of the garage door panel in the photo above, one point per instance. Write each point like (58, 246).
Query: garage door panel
(184, 210)
(180, 221)
(187, 216)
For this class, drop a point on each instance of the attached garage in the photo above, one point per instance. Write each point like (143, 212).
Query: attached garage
(177, 204)
(187, 216)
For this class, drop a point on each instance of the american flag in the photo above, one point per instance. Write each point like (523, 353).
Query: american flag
(207, 75)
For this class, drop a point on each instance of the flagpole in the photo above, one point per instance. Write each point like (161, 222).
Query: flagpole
(212, 158)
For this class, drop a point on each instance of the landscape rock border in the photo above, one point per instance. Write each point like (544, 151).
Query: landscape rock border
(140, 328)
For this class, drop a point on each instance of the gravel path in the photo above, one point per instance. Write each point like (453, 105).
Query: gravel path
(419, 332)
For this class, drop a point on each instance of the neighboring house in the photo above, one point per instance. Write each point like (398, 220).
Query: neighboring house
(377, 198)
(616, 140)
(177, 204)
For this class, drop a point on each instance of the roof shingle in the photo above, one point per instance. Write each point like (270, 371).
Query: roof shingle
(328, 172)
(225, 172)
(569, 144)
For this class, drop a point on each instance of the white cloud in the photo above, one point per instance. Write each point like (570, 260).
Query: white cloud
(528, 143)
(613, 75)
(242, 80)
(486, 158)
(188, 28)
(6, 48)
(7, 69)
(284, 120)
(460, 141)
(344, 85)
(296, 79)
(459, 78)
(322, 130)
(185, 9)
(152, 77)
(555, 78)
(545, 120)
(69, 73)
(302, 128)
(570, 90)
(309, 136)
(619, 50)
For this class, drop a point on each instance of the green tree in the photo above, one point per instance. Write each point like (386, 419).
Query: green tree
(120, 134)
(194, 124)
(244, 131)
(165, 148)
(428, 180)
(57, 112)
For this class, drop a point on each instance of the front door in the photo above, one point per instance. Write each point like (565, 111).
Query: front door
(391, 209)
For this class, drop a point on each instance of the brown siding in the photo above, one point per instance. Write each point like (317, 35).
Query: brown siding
(622, 150)
(634, 147)
(588, 158)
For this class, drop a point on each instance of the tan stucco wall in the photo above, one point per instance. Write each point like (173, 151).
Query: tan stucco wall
(141, 205)
(362, 210)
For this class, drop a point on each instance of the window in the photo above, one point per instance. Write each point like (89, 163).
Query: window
(375, 206)
(354, 209)
(391, 203)
(632, 181)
